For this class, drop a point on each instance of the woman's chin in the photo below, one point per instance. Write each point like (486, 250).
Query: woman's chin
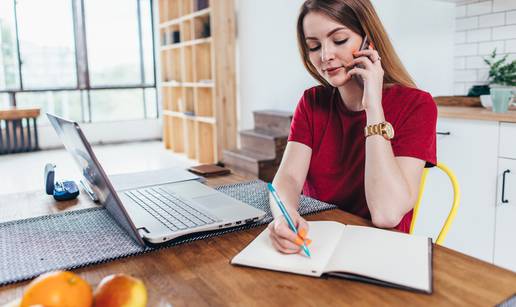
(338, 81)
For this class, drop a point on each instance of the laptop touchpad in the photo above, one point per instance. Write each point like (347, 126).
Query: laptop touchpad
(213, 202)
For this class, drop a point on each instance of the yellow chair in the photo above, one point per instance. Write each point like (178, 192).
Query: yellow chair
(453, 210)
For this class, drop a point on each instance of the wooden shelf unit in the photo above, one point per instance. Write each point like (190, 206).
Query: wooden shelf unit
(198, 86)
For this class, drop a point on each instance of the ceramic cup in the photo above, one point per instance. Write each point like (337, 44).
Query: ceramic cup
(485, 100)
(501, 99)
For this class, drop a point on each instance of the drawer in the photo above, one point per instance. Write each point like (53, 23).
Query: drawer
(507, 147)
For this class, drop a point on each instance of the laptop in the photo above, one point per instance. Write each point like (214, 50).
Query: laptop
(153, 214)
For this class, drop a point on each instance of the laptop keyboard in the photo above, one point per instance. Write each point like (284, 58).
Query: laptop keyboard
(172, 211)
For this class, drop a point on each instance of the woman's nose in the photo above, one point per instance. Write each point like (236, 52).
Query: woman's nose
(327, 52)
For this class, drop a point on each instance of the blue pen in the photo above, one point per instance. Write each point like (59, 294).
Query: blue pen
(286, 215)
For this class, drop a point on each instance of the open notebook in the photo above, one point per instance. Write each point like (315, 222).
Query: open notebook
(356, 252)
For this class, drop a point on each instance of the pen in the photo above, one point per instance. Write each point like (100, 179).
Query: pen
(286, 215)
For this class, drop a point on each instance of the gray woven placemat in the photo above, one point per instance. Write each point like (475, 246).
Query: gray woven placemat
(80, 238)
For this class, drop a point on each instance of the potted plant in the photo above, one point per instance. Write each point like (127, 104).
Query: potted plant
(502, 82)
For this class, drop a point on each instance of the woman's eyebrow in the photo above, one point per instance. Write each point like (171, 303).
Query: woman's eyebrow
(329, 33)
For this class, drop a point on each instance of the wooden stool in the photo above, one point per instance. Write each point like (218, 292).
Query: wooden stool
(13, 136)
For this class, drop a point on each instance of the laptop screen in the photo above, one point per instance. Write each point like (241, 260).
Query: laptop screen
(76, 144)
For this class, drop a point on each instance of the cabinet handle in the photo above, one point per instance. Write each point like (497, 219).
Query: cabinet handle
(504, 201)
(443, 133)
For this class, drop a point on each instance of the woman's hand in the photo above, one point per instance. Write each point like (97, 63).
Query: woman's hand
(284, 239)
(371, 73)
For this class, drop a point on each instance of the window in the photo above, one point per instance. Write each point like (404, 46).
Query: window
(128, 104)
(9, 76)
(66, 104)
(4, 100)
(86, 60)
(113, 43)
(46, 44)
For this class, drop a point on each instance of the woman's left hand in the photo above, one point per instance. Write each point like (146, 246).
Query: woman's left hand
(371, 73)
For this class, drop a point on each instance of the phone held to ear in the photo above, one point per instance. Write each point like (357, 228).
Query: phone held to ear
(365, 45)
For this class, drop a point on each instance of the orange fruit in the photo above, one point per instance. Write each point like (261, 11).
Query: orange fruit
(120, 290)
(58, 289)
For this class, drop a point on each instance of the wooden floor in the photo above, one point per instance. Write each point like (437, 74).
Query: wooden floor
(24, 171)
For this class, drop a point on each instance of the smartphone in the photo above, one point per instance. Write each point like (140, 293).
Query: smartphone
(365, 45)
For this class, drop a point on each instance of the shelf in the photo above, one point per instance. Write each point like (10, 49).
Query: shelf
(206, 142)
(203, 63)
(203, 119)
(198, 90)
(204, 101)
(189, 64)
(186, 104)
(175, 21)
(188, 84)
(190, 128)
(171, 63)
(193, 42)
(173, 133)
(171, 98)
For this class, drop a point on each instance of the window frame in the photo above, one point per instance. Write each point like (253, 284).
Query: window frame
(82, 65)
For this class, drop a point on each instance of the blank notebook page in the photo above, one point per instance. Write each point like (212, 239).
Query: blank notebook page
(262, 254)
(386, 255)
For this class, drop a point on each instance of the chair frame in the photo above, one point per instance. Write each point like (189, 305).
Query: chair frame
(453, 209)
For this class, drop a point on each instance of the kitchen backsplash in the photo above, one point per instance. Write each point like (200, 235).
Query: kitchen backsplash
(480, 27)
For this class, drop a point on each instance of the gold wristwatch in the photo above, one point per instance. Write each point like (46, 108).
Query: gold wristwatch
(384, 129)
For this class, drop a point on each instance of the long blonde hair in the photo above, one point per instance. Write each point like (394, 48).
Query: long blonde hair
(359, 16)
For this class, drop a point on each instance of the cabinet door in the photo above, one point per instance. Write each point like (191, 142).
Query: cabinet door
(505, 235)
(470, 149)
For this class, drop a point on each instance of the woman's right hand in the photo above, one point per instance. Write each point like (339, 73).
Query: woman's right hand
(284, 239)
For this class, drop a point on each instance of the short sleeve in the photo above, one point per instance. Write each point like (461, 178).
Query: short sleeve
(301, 126)
(415, 132)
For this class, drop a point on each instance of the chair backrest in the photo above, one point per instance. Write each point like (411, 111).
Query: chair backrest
(453, 209)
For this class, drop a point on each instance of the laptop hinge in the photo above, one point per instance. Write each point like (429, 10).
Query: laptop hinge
(142, 231)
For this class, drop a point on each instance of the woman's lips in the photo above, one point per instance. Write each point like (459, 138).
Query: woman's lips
(334, 70)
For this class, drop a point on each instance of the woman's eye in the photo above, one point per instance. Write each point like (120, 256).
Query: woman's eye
(314, 48)
(340, 42)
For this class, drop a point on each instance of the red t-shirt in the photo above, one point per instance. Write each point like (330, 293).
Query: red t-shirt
(336, 136)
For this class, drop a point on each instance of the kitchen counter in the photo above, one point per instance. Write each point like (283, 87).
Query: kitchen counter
(476, 113)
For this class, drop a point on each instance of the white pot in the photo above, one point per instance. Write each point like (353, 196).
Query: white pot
(486, 101)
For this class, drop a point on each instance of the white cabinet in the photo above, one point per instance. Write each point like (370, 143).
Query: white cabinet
(470, 149)
(505, 233)
(482, 154)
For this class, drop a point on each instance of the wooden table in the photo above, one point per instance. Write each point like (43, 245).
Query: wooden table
(199, 273)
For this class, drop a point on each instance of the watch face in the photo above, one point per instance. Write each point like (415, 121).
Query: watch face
(389, 131)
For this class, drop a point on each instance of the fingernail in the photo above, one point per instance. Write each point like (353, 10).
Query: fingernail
(371, 46)
(302, 233)
(308, 241)
(299, 241)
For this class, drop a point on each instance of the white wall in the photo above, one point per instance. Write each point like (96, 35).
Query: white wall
(269, 70)
(481, 27)
(422, 32)
(270, 74)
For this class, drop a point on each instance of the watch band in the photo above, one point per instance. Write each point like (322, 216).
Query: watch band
(384, 129)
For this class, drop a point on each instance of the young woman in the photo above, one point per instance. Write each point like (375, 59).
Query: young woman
(362, 138)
